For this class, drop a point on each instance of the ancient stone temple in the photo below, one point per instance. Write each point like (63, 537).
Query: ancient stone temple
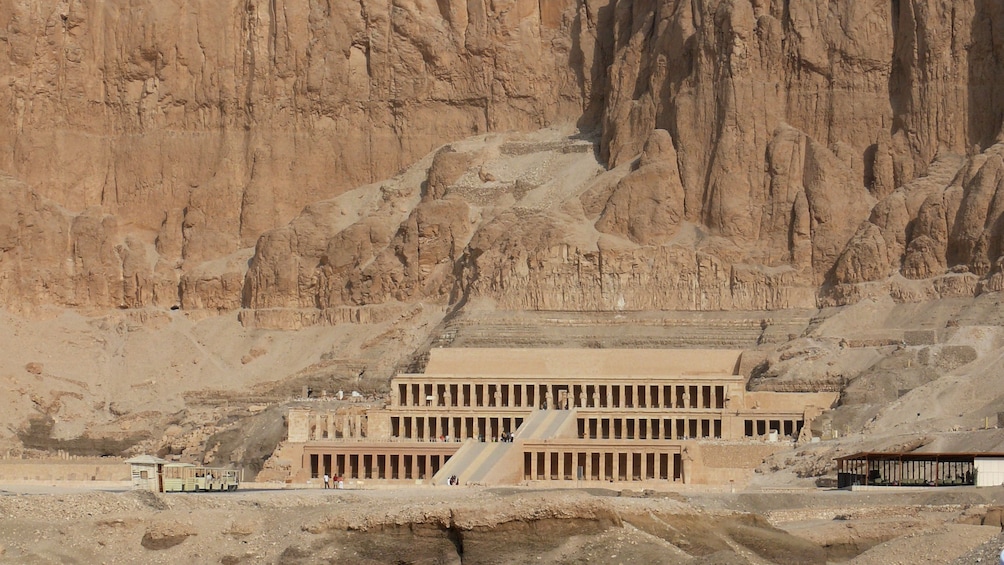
(514, 416)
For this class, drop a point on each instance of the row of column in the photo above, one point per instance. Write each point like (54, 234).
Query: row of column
(649, 428)
(401, 466)
(457, 428)
(559, 396)
(782, 427)
(601, 466)
(322, 426)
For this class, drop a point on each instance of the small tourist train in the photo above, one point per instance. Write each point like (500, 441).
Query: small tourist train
(152, 473)
(185, 477)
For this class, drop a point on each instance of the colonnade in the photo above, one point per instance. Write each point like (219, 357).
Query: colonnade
(558, 395)
(607, 427)
(762, 427)
(377, 466)
(456, 428)
(322, 426)
(600, 465)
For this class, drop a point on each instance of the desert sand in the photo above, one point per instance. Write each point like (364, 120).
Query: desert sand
(43, 523)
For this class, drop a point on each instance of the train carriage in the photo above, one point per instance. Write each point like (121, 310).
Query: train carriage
(185, 477)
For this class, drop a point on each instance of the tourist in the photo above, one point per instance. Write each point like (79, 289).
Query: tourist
(327, 481)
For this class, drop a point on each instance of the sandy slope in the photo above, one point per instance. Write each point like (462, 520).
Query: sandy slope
(129, 372)
(429, 525)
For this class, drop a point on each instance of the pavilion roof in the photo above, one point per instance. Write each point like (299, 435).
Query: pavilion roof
(916, 456)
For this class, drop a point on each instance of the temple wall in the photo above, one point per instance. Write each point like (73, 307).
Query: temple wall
(592, 362)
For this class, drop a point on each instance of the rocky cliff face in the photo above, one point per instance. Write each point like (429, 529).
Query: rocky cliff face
(752, 154)
(197, 126)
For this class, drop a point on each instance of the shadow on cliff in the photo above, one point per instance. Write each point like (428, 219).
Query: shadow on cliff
(595, 88)
(986, 63)
(38, 435)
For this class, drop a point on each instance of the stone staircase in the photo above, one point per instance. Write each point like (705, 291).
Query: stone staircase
(463, 462)
(477, 462)
(544, 424)
(476, 470)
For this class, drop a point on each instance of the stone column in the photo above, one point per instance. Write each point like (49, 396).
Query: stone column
(617, 466)
(533, 466)
(547, 465)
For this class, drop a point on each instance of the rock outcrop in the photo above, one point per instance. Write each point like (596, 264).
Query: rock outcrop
(752, 154)
(197, 126)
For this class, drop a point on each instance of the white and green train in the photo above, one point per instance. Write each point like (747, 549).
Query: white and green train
(185, 477)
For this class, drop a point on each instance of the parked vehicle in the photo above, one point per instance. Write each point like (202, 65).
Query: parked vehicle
(185, 477)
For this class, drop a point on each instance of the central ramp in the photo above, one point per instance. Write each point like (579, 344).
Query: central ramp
(484, 463)
(547, 424)
(461, 461)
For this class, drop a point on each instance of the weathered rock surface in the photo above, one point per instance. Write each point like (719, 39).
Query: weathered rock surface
(791, 154)
(193, 127)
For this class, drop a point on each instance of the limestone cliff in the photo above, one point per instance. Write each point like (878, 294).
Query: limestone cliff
(199, 125)
(752, 154)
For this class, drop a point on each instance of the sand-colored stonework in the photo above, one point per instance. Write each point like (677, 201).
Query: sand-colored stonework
(572, 415)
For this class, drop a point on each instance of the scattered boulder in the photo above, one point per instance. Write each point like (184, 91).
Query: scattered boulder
(166, 535)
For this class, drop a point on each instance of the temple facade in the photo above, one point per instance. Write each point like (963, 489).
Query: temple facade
(514, 416)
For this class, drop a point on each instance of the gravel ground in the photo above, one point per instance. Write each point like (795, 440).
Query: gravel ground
(40, 524)
(987, 554)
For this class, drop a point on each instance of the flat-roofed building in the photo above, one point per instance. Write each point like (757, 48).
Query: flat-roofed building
(569, 415)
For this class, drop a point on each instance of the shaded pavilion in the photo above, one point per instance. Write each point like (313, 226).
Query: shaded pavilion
(909, 469)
